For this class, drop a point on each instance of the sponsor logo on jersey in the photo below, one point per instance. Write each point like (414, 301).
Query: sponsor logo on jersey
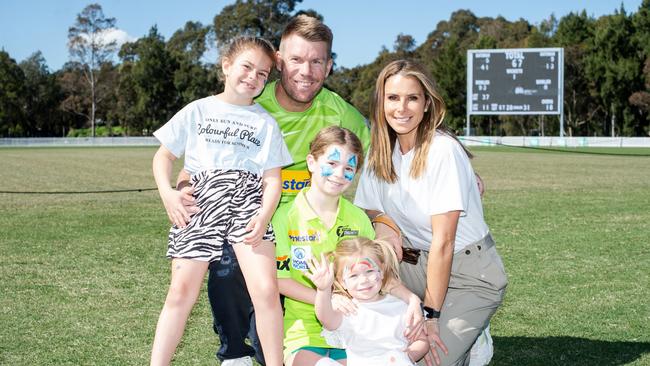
(282, 263)
(294, 180)
(298, 236)
(300, 254)
(342, 231)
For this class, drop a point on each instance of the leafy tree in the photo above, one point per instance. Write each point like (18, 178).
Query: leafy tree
(187, 46)
(262, 18)
(12, 91)
(147, 76)
(88, 46)
(575, 33)
(615, 68)
(43, 96)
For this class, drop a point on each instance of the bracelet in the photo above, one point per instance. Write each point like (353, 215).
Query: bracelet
(382, 218)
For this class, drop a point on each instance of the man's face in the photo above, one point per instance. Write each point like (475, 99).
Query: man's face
(303, 67)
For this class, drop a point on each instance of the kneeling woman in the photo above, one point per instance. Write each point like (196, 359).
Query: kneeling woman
(420, 176)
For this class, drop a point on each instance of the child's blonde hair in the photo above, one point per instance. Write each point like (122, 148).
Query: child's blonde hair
(361, 246)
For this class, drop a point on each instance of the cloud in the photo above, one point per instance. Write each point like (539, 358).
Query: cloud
(107, 36)
(119, 36)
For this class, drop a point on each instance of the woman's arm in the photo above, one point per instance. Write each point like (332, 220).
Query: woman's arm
(441, 253)
(386, 230)
(414, 311)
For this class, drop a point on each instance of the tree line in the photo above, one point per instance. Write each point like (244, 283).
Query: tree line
(606, 72)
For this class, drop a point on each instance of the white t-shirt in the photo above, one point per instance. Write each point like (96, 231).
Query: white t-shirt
(375, 335)
(214, 134)
(448, 184)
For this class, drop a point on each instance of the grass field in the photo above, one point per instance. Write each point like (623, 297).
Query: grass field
(83, 276)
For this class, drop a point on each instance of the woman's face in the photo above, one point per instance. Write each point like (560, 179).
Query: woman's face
(404, 106)
(334, 170)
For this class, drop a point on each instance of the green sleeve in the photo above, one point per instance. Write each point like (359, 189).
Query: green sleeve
(357, 123)
(282, 245)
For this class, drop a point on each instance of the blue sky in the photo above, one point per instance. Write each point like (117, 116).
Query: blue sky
(361, 27)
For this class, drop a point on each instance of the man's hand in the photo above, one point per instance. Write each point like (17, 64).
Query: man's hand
(175, 205)
(257, 228)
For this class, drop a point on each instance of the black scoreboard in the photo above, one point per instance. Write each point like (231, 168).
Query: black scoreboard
(515, 81)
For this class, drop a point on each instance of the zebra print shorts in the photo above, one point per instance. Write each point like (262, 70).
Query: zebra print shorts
(228, 199)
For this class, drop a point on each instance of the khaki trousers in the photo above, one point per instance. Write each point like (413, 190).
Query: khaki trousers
(477, 286)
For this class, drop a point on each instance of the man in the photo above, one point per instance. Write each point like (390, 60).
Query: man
(302, 107)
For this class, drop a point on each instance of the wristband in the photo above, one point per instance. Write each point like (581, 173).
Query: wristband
(430, 313)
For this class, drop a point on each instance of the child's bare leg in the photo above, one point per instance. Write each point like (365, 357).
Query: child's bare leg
(186, 282)
(308, 358)
(259, 269)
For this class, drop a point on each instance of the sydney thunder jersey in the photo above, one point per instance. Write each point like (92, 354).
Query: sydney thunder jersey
(299, 128)
(301, 235)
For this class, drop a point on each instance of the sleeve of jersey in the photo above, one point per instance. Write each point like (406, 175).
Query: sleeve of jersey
(173, 134)
(367, 195)
(357, 123)
(447, 180)
(279, 155)
(282, 246)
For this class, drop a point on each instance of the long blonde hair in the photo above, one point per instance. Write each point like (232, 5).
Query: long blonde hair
(360, 246)
(383, 137)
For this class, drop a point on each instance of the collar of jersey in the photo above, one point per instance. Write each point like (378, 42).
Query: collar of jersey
(305, 209)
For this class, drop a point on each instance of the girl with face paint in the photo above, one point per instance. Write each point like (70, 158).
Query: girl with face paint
(363, 269)
(312, 225)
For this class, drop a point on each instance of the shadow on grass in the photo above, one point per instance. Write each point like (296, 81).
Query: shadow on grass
(565, 351)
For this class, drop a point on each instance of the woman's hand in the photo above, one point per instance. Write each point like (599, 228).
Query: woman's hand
(321, 274)
(414, 319)
(344, 305)
(432, 330)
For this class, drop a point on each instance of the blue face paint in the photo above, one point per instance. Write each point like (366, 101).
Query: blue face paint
(326, 170)
(335, 155)
(352, 162)
(348, 175)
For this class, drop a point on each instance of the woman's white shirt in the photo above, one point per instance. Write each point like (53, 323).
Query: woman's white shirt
(448, 184)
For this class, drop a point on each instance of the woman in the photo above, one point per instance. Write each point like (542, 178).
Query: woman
(419, 175)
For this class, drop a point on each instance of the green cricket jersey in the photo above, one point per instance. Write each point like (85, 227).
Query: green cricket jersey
(301, 235)
(299, 128)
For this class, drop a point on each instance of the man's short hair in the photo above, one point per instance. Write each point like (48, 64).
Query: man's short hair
(309, 28)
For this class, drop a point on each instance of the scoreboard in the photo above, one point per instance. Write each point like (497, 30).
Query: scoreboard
(515, 81)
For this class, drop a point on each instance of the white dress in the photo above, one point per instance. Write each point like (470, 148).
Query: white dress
(375, 335)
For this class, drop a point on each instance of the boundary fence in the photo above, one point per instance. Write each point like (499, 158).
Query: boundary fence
(524, 141)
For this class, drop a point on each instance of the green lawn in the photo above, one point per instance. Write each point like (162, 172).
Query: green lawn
(83, 276)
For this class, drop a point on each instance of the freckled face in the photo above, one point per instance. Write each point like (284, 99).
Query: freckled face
(334, 170)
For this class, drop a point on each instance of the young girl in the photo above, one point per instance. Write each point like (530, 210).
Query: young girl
(312, 224)
(375, 335)
(234, 151)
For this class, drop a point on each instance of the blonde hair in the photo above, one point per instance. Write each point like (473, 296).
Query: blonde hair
(335, 135)
(245, 43)
(383, 137)
(361, 246)
(311, 29)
